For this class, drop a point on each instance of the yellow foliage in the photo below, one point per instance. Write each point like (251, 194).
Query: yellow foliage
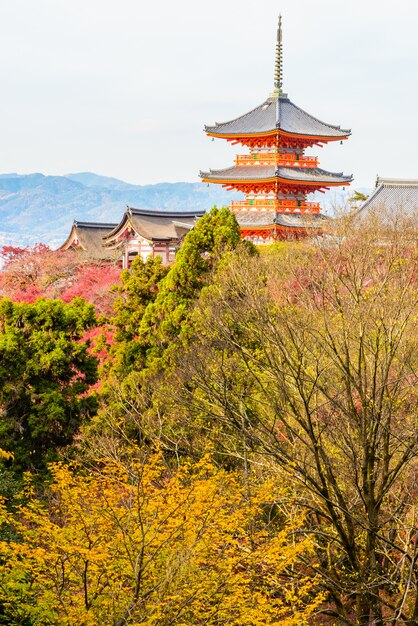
(138, 544)
(6, 456)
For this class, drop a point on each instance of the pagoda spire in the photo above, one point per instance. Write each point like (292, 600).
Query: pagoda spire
(278, 68)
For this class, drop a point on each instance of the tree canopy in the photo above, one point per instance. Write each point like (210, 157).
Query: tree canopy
(134, 543)
(45, 375)
(31, 273)
(254, 453)
(311, 356)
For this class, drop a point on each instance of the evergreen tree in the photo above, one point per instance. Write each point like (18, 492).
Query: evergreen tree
(150, 334)
(45, 374)
(154, 306)
(164, 319)
(140, 286)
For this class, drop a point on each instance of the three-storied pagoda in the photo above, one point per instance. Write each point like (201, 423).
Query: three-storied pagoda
(276, 176)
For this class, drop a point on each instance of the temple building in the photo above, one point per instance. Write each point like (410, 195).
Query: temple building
(87, 237)
(140, 231)
(149, 232)
(276, 176)
(392, 195)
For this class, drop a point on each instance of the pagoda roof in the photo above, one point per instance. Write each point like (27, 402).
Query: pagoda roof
(293, 220)
(155, 225)
(392, 194)
(255, 218)
(88, 236)
(277, 113)
(260, 219)
(264, 173)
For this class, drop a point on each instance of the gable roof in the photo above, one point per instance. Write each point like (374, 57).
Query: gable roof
(154, 225)
(392, 194)
(88, 236)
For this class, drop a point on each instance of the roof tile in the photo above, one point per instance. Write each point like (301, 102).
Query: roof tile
(276, 113)
(260, 172)
(392, 194)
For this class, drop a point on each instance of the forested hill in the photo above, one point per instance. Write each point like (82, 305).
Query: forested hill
(36, 208)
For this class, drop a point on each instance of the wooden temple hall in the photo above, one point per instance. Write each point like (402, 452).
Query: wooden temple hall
(140, 232)
(276, 176)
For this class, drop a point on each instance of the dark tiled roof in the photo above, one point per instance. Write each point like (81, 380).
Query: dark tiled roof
(392, 195)
(170, 214)
(294, 220)
(256, 172)
(94, 225)
(275, 114)
(255, 218)
(90, 239)
(156, 225)
(268, 218)
(315, 174)
(260, 172)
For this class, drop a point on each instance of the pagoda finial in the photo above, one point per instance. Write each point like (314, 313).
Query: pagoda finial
(278, 68)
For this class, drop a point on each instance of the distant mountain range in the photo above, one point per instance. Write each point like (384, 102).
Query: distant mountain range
(36, 208)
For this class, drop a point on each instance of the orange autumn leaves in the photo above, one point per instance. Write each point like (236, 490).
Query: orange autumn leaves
(137, 544)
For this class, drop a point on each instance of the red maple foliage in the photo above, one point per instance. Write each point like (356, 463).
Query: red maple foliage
(100, 339)
(94, 283)
(30, 273)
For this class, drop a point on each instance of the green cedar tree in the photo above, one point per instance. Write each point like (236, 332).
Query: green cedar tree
(45, 375)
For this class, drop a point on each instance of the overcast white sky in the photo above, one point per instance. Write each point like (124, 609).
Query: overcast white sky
(123, 87)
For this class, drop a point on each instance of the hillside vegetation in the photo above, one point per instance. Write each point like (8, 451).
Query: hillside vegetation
(229, 441)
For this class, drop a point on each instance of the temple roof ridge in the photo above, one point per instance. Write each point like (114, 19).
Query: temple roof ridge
(396, 182)
(267, 101)
(392, 195)
(163, 213)
(153, 225)
(79, 224)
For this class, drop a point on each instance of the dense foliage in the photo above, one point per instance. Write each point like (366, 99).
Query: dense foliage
(311, 357)
(250, 456)
(45, 373)
(31, 273)
(135, 543)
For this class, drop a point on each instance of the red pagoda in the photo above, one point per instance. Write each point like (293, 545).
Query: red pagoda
(276, 176)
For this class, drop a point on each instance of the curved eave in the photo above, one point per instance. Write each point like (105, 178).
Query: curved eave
(272, 226)
(243, 181)
(314, 183)
(118, 229)
(70, 239)
(276, 229)
(279, 179)
(279, 133)
(111, 240)
(277, 115)
(115, 238)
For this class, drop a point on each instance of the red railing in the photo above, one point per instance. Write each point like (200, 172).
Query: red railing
(274, 158)
(282, 206)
